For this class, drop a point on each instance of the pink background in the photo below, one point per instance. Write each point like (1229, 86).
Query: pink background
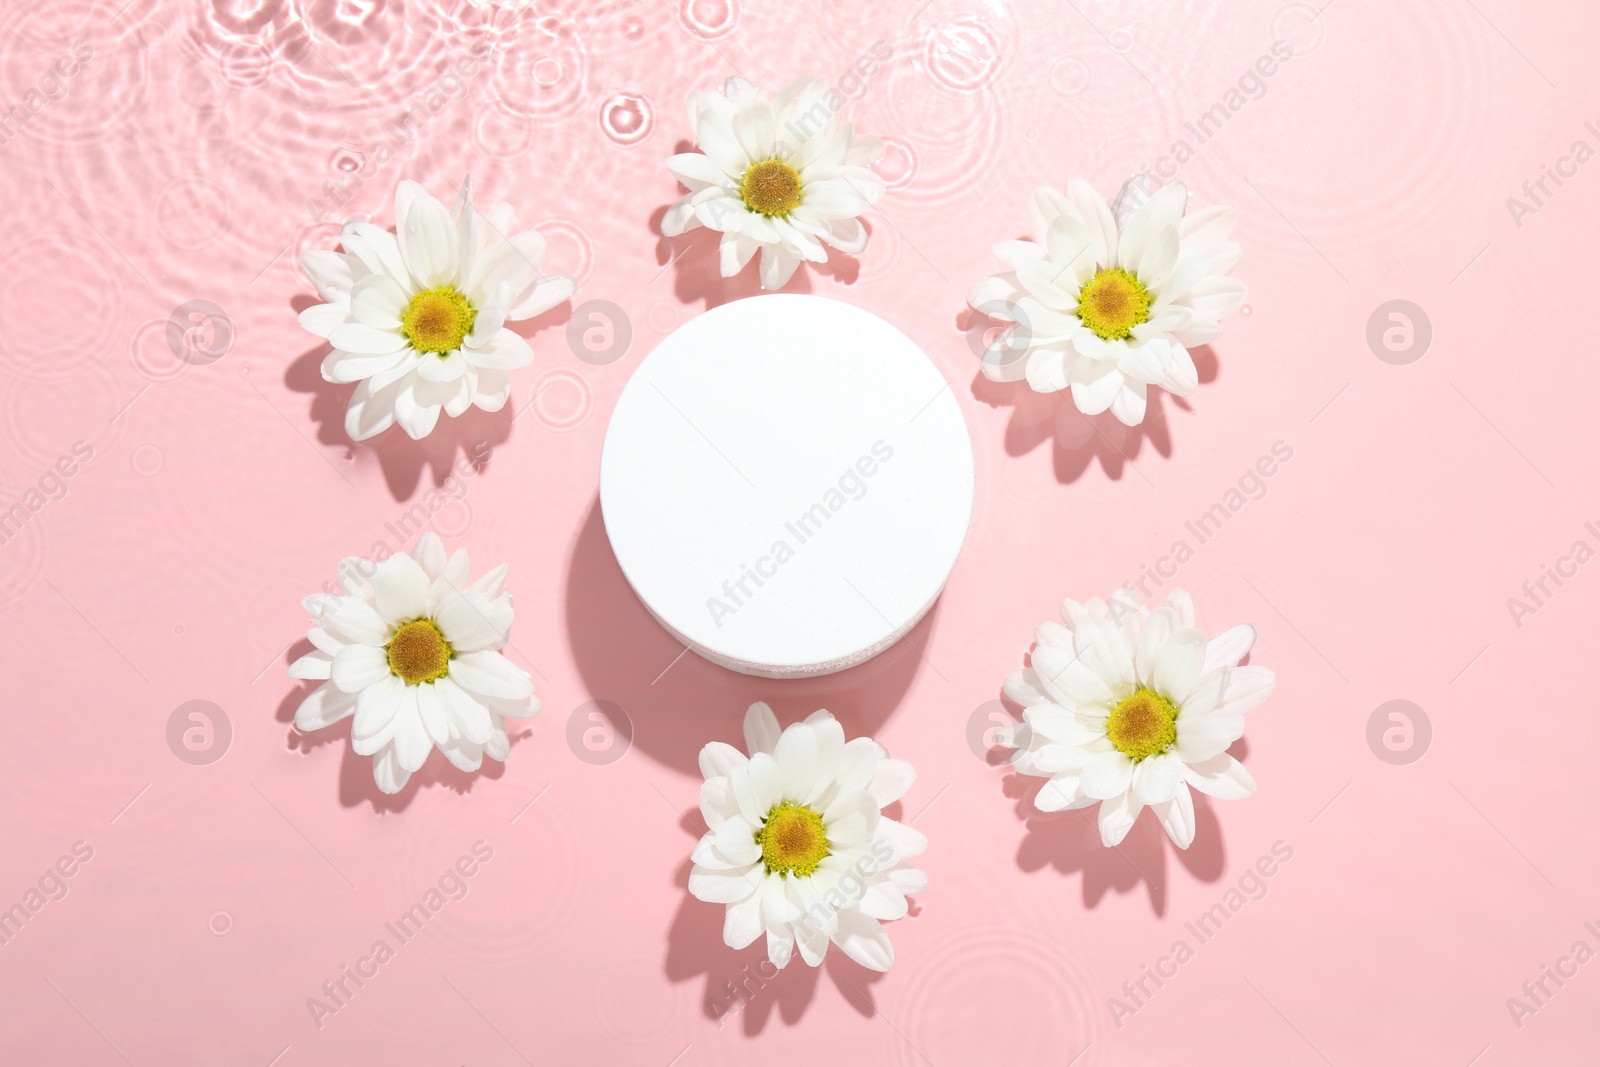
(176, 165)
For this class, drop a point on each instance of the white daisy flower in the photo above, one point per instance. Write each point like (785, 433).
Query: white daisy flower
(798, 847)
(1108, 304)
(783, 177)
(418, 317)
(1130, 708)
(410, 650)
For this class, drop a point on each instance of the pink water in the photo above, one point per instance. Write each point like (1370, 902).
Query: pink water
(188, 157)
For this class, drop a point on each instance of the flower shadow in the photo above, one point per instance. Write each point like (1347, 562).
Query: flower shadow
(1069, 842)
(741, 985)
(467, 439)
(696, 262)
(675, 700)
(356, 785)
(1079, 441)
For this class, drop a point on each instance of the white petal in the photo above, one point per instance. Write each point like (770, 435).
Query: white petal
(858, 763)
(376, 249)
(490, 391)
(340, 366)
(463, 754)
(1229, 647)
(323, 319)
(1247, 687)
(442, 368)
(1095, 384)
(716, 802)
(473, 721)
(431, 244)
(490, 674)
(851, 819)
(549, 291)
(723, 887)
(1177, 667)
(411, 742)
(387, 772)
(780, 948)
(847, 235)
(358, 667)
(499, 744)
(813, 946)
(1062, 793)
(719, 759)
(432, 710)
(1046, 369)
(1068, 679)
(1092, 209)
(902, 839)
(493, 582)
(696, 170)
(755, 787)
(864, 940)
(472, 622)
(761, 731)
(891, 780)
(1201, 737)
(777, 266)
(1129, 404)
(742, 923)
(325, 706)
(1221, 776)
(1055, 723)
(333, 273)
(504, 351)
(401, 587)
(1156, 778)
(1117, 817)
(1026, 688)
(377, 300)
(376, 707)
(313, 666)
(884, 901)
(429, 554)
(716, 138)
(371, 411)
(735, 250)
(1107, 775)
(735, 839)
(361, 339)
(1177, 817)
(1158, 630)
(1104, 649)
(1072, 248)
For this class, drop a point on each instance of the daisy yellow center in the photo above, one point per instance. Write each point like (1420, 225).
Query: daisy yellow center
(419, 653)
(792, 839)
(436, 320)
(1144, 724)
(1112, 303)
(771, 188)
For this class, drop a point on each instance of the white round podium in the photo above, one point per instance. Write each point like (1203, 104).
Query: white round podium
(786, 482)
